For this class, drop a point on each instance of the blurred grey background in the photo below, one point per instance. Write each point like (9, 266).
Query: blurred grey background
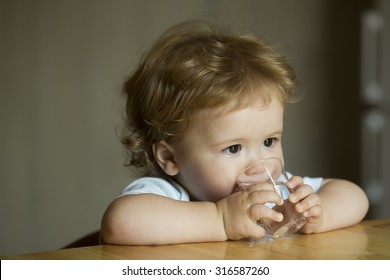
(62, 64)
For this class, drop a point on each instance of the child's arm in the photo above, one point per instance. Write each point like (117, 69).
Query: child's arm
(337, 204)
(148, 219)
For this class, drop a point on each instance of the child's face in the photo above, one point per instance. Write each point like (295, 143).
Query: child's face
(216, 149)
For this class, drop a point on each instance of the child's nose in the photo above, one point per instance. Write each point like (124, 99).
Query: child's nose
(251, 175)
(256, 155)
(265, 169)
(255, 168)
(258, 171)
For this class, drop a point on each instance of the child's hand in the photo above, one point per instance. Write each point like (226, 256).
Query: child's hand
(307, 202)
(241, 211)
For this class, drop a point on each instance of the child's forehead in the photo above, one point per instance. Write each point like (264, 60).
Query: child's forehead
(230, 107)
(210, 115)
(206, 113)
(216, 127)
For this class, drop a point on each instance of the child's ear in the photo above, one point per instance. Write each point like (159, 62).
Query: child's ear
(164, 156)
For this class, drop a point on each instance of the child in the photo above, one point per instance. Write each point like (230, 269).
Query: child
(203, 105)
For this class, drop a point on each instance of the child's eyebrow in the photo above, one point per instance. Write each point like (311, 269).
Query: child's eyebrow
(231, 141)
(277, 132)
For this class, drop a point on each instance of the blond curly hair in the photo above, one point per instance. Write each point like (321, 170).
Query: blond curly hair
(193, 66)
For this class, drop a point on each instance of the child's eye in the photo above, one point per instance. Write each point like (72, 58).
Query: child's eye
(270, 142)
(233, 149)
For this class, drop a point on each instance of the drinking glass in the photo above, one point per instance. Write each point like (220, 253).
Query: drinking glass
(272, 170)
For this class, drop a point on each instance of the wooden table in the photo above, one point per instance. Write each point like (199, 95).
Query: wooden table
(368, 240)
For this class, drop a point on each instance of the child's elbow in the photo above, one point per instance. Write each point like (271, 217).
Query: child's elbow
(361, 202)
(110, 231)
(114, 227)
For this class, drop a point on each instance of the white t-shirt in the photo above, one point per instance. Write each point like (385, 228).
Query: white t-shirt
(172, 189)
(155, 185)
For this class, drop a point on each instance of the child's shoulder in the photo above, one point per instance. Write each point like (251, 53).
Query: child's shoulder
(155, 185)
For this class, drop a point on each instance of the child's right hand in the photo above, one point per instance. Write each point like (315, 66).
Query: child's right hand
(241, 211)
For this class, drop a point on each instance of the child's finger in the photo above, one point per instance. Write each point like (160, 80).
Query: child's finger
(294, 182)
(261, 212)
(309, 202)
(314, 214)
(262, 197)
(300, 193)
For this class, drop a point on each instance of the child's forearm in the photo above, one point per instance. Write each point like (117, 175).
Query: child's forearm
(151, 219)
(344, 204)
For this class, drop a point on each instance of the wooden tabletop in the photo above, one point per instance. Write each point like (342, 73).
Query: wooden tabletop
(368, 240)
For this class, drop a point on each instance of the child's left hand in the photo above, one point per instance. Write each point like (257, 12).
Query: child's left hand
(307, 202)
